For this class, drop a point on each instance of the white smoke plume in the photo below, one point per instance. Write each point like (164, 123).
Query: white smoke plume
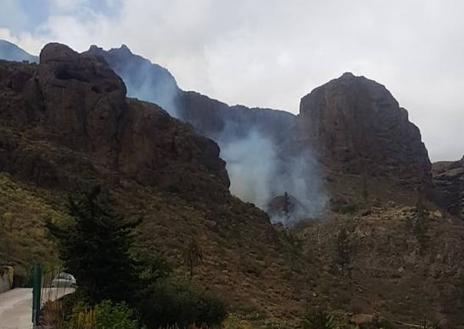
(259, 167)
(260, 172)
(250, 162)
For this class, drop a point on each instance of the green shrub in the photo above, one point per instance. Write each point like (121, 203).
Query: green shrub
(168, 303)
(318, 320)
(106, 315)
(114, 316)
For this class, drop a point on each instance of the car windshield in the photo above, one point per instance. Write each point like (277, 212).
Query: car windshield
(64, 276)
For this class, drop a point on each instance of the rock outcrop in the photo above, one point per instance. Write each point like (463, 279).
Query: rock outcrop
(448, 181)
(357, 128)
(78, 103)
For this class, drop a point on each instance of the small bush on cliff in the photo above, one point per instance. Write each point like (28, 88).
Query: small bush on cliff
(318, 320)
(344, 250)
(420, 222)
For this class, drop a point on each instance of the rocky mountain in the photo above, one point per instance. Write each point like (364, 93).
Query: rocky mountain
(66, 125)
(448, 179)
(11, 52)
(351, 130)
(360, 133)
(241, 132)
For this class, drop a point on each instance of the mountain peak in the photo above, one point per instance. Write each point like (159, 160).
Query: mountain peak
(347, 75)
(125, 49)
(57, 52)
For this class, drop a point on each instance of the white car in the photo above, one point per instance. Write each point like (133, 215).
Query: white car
(64, 280)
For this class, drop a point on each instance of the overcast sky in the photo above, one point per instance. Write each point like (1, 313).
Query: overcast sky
(270, 53)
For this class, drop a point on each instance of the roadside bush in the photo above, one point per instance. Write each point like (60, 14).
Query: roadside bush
(106, 315)
(114, 316)
(169, 303)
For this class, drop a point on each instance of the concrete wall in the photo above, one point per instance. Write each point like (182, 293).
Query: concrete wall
(6, 278)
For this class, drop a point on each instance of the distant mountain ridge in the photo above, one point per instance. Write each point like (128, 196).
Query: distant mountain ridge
(11, 52)
(151, 82)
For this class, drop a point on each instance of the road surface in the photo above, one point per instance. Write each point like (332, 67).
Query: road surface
(16, 306)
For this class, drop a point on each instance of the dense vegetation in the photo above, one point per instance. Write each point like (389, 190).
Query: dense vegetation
(97, 248)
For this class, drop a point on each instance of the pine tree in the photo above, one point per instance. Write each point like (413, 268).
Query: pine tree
(95, 248)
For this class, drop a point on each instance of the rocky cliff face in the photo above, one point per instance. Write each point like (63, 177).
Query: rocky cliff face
(448, 180)
(78, 103)
(357, 128)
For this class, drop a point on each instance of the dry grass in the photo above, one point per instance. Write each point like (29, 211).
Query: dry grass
(23, 213)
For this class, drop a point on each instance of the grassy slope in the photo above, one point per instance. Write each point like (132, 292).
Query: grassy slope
(242, 263)
(23, 213)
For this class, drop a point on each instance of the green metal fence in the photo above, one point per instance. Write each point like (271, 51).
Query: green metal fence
(48, 285)
(36, 293)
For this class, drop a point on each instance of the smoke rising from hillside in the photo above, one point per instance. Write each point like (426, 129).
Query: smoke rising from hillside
(259, 173)
(250, 162)
(259, 168)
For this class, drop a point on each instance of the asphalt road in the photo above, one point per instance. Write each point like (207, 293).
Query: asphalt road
(16, 306)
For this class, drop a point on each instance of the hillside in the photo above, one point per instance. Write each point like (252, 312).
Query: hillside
(156, 167)
(67, 125)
